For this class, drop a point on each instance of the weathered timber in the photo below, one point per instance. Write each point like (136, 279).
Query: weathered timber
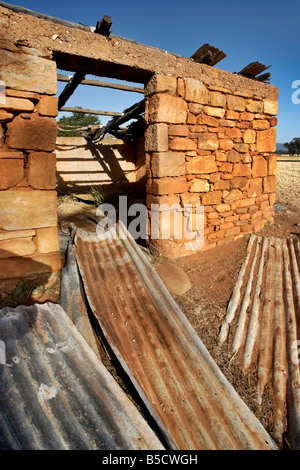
(130, 113)
(116, 86)
(70, 88)
(101, 28)
(90, 111)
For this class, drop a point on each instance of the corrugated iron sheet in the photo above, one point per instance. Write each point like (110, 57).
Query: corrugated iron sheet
(182, 387)
(73, 302)
(54, 391)
(264, 317)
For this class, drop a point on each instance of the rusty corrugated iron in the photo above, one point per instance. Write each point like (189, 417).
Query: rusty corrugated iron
(55, 393)
(264, 316)
(182, 387)
(73, 302)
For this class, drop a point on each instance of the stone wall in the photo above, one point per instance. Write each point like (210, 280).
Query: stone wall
(210, 139)
(213, 146)
(28, 201)
(111, 163)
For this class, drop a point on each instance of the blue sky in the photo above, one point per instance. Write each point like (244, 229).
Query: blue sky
(261, 30)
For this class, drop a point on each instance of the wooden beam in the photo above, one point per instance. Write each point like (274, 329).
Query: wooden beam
(65, 78)
(90, 111)
(101, 28)
(70, 88)
(129, 113)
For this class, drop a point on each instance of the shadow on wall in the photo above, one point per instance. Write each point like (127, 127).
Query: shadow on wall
(26, 280)
(112, 163)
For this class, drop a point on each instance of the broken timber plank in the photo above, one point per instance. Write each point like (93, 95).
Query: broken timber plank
(129, 113)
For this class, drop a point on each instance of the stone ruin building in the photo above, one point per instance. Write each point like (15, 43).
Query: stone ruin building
(209, 136)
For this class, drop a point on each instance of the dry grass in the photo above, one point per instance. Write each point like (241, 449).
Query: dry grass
(288, 181)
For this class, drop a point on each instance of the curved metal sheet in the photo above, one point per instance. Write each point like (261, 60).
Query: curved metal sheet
(184, 390)
(54, 391)
(266, 305)
(72, 300)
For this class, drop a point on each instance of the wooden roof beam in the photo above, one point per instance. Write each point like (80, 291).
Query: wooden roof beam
(102, 28)
(130, 113)
(66, 109)
(66, 78)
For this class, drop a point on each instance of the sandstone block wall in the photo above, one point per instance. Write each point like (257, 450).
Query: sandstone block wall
(28, 201)
(210, 140)
(214, 146)
(111, 163)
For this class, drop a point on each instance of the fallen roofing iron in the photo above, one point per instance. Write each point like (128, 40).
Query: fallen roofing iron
(254, 70)
(73, 302)
(54, 391)
(266, 300)
(208, 54)
(193, 404)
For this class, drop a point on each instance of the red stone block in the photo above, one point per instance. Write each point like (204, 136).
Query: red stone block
(259, 166)
(213, 197)
(269, 184)
(161, 186)
(32, 133)
(241, 169)
(48, 106)
(266, 140)
(42, 170)
(11, 172)
(201, 164)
